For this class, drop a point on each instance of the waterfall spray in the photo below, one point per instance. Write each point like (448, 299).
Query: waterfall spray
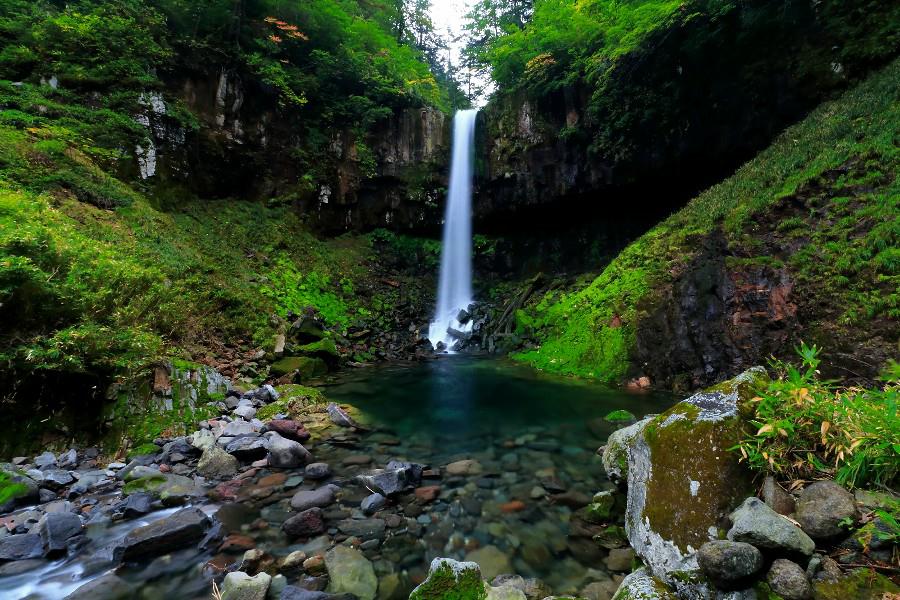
(455, 283)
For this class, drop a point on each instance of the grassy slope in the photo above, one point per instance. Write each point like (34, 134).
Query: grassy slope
(87, 288)
(591, 331)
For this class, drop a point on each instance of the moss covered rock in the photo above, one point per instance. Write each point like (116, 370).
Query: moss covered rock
(171, 489)
(324, 349)
(861, 584)
(641, 585)
(307, 367)
(16, 488)
(682, 478)
(451, 580)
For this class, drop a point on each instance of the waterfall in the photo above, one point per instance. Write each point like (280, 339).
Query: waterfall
(455, 284)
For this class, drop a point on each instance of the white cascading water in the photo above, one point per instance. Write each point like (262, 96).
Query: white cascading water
(455, 284)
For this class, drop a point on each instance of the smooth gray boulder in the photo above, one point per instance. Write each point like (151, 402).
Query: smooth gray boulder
(755, 523)
(248, 448)
(305, 499)
(316, 471)
(788, 580)
(729, 565)
(823, 508)
(372, 503)
(350, 572)
(217, 463)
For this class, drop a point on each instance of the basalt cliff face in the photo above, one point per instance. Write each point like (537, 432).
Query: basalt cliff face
(245, 145)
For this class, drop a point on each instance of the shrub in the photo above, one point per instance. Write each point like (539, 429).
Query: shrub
(804, 427)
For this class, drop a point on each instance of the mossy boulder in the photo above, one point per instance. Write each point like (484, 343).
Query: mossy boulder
(307, 367)
(293, 400)
(615, 453)
(16, 488)
(683, 479)
(324, 349)
(451, 580)
(861, 584)
(641, 585)
(171, 489)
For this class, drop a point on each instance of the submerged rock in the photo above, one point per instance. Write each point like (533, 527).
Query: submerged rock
(491, 560)
(305, 499)
(351, 572)
(306, 524)
(682, 478)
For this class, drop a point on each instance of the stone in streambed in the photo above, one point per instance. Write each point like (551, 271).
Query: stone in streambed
(372, 503)
(464, 467)
(316, 471)
(788, 580)
(729, 565)
(171, 489)
(620, 560)
(308, 523)
(386, 481)
(248, 448)
(339, 416)
(288, 428)
(320, 497)
(822, 509)
(365, 529)
(642, 585)
(240, 586)
(351, 572)
(217, 463)
(285, 453)
(107, 587)
(135, 505)
(181, 529)
(492, 561)
(757, 524)
(450, 580)
(55, 530)
(21, 546)
(16, 488)
(56, 479)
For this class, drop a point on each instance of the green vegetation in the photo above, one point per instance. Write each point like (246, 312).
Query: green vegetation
(804, 427)
(294, 400)
(591, 331)
(10, 489)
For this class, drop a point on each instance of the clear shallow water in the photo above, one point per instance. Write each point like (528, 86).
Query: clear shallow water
(528, 431)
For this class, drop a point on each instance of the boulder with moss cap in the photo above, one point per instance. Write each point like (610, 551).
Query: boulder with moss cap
(449, 579)
(683, 479)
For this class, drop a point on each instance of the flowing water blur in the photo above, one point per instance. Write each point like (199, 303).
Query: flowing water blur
(455, 278)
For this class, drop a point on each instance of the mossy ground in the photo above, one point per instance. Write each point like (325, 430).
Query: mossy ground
(589, 330)
(293, 401)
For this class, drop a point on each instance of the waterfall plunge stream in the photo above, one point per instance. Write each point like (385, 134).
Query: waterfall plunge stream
(455, 284)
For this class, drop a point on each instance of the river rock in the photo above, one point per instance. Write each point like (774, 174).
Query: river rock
(181, 529)
(491, 560)
(18, 490)
(241, 586)
(642, 585)
(305, 499)
(339, 416)
(822, 508)
(217, 463)
(366, 529)
(45, 460)
(372, 503)
(248, 448)
(55, 530)
(464, 467)
(504, 592)
(306, 524)
(285, 453)
(171, 489)
(620, 560)
(106, 587)
(776, 498)
(239, 428)
(88, 481)
(56, 479)
(755, 523)
(202, 439)
(386, 481)
(683, 479)
(288, 428)
(316, 471)
(351, 572)
(729, 565)
(21, 546)
(615, 453)
(448, 578)
(244, 412)
(135, 505)
(788, 580)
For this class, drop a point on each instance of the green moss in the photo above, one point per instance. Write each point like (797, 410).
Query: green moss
(619, 416)
(591, 331)
(149, 483)
(308, 367)
(860, 584)
(294, 400)
(324, 348)
(445, 583)
(143, 450)
(9, 489)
